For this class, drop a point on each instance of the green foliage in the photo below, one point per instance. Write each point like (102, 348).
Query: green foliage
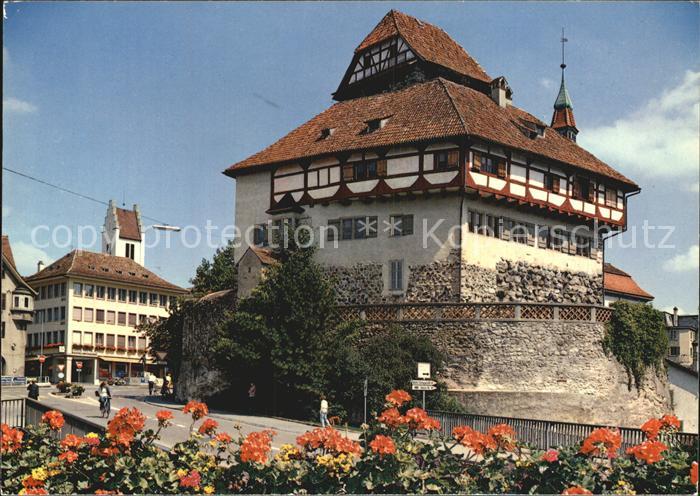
(217, 275)
(636, 336)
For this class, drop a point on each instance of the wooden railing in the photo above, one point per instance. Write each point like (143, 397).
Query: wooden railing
(545, 434)
(397, 312)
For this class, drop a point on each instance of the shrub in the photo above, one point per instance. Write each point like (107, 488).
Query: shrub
(63, 387)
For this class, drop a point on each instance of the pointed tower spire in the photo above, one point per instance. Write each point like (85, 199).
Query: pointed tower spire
(563, 118)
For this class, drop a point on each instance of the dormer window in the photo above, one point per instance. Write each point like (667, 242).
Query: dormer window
(327, 132)
(376, 124)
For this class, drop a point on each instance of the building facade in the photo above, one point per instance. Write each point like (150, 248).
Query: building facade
(424, 182)
(17, 313)
(682, 338)
(619, 286)
(683, 382)
(122, 234)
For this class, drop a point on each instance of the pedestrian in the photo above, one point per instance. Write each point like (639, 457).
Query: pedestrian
(169, 380)
(164, 387)
(324, 412)
(151, 383)
(105, 398)
(252, 391)
(33, 389)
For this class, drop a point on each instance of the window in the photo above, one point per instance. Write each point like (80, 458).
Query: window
(543, 236)
(173, 301)
(154, 299)
(143, 298)
(111, 317)
(89, 291)
(142, 344)
(163, 300)
(365, 170)
(42, 293)
(673, 335)
(77, 314)
(133, 296)
(130, 250)
(401, 225)
(61, 337)
(99, 339)
(77, 338)
(99, 316)
(77, 289)
(110, 341)
(112, 294)
(63, 289)
(87, 339)
(143, 319)
(347, 229)
(611, 197)
(260, 235)
(132, 319)
(88, 314)
(446, 159)
(121, 342)
(63, 313)
(49, 292)
(485, 224)
(100, 292)
(16, 300)
(519, 233)
(674, 350)
(489, 165)
(122, 294)
(132, 342)
(365, 227)
(551, 182)
(396, 275)
(582, 189)
(583, 246)
(26, 302)
(327, 132)
(121, 318)
(374, 124)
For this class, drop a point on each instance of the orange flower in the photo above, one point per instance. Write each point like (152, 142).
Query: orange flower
(504, 435)
(35, 490)
(54, 418)
(328, 440)
(11, 439)
(602, 442)
(383, 445)
(398, 397)
(256, 447)
(31, 482)
(104, 491)
(192, 479)
(550, 456)
(418, 419)
(576, 490)
(391, 418)
(474, 440)
(125, 425)
(649, 451)
(68, 456)
(72, 441)
(694, 473)
(104, 452)
(164, 417)
(222, 437)
(197, 409)
(208, 427)
(91, 441)
(651, 428)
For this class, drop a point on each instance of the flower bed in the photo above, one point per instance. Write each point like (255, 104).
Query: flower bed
(388, 458)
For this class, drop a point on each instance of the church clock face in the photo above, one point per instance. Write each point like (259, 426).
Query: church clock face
(381, 57)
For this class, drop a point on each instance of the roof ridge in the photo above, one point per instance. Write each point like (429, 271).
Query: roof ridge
(454, 105)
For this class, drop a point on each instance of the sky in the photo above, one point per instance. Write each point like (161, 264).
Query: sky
(149, 103)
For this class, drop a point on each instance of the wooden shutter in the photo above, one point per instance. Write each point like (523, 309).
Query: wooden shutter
(348, 173)
(501, 167)
(453, 158)
(555, 183)
(476, 165)
(576, 190)
(407, 225)
(381, 168)
(591, 192)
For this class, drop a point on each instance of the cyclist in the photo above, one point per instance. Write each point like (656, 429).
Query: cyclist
(105, 399)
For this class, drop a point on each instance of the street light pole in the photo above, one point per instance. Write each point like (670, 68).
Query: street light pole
(41, 346)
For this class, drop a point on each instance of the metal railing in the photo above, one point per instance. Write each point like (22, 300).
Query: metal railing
(23, 412)
(12, 412)
(13, 380)
(454, 311)
(545, 434)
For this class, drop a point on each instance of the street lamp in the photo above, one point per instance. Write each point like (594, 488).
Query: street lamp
(165, 227)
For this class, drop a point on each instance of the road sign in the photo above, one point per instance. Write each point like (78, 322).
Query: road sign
(423, 388)
(61, 375)
(423, 370)
(422, 382)
(78, 365)
(42, 358)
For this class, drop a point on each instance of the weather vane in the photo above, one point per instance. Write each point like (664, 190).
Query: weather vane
(563, 40)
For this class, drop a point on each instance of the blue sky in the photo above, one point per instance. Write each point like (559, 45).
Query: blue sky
(148, 103)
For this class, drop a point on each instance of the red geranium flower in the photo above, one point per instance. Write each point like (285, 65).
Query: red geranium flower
(125, 425)
(504, 435)
(222, 437)
(256, 447)
(398, 397)
(602, 442)
(649, 451)
(193, 479)
(208, 427)
(328, 440)
(197, 409)
(54, 419)
(651, 428)
(10, 439)
(164, 417)
(694, 473)
(68, 456)
(474, 440)
(576, 490)
(383, 445)
(418, 419)
(550, 456)
(391, 417)
(71, 441)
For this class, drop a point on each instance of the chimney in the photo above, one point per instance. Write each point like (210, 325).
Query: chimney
(501, 92)
(39, 266)
(675, 316)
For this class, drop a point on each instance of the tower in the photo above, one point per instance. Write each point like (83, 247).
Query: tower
(122, 234)
(563, 118)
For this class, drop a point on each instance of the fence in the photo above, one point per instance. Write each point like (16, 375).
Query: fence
(545, 434)
(23, 412)
(9, 380)
(475, 311)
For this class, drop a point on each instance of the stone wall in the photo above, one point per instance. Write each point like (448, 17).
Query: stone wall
(548, 370)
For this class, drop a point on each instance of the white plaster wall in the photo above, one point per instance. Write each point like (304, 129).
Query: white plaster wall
(684, 389)
(251, 202)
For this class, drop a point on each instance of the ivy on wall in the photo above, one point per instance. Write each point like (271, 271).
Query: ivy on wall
(636, 336)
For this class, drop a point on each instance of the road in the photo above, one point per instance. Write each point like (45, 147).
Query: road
(137, 396)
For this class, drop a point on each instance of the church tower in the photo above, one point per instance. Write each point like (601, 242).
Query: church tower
(563, 119)
(122, 234)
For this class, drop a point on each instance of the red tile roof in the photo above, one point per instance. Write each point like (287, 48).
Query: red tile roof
(620, 282)
(7, 251)
(563, 118)
(266, 256)
(129, 227)
(430, 110)
(93, 265)
(427, 41)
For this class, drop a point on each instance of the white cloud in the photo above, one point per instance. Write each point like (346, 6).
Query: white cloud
(547, 83)
(660, 139)
(694, 187)
(27, 255)
(17, 106)
(684, 261)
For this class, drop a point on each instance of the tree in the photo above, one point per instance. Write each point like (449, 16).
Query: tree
(217, 275)
(636, 336)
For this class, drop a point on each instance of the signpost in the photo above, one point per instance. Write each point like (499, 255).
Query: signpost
(365, 400)
(423, 383)
(79, 368)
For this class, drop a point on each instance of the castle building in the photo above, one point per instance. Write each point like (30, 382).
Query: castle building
(89, 305)
(425, 183)
(17, 313)
(619, 286)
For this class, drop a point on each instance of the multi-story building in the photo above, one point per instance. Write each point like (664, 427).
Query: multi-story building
(424, 182)
(17, 311)
(87, 310)
(682, 338)
(619, 286)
